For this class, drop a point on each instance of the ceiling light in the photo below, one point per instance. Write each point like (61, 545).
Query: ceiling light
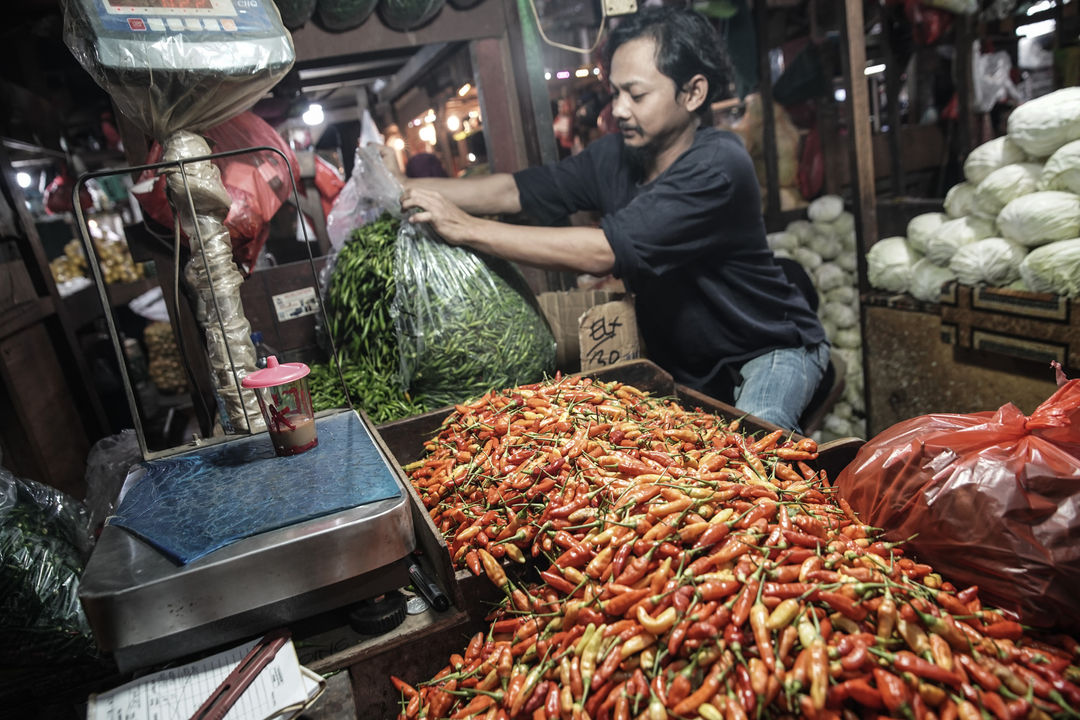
(1043, 27)
(453, 123)
(397, 143)
(874, 69)
(596, 71)
(581, 72)
(430, 117)
(1040, 6)
(472, 157)
(24, 180)
(840, 95)
(547, 75)
(464, 90)
(562, 74)
(427, 134)
(313, 115)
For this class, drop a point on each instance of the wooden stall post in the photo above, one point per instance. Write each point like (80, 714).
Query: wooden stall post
(768, 115)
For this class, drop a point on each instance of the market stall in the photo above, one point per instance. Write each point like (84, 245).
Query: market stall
(417, 504)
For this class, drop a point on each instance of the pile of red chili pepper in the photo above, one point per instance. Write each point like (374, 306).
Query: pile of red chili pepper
(690, 570)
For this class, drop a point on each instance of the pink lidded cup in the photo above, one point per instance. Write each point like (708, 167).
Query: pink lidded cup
(282, 389)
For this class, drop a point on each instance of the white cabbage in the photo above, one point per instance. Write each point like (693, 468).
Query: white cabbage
(1053, 268)
(842, 316)
(991, 261)
(1042, 125)
(836, 426)
(828, 276)
(827, 246)
(989, 156)
(1041, 217)
(953, 235)
(888, 264)
(825, 209)
(848, 260)
(782, 241)
(960, 200)
(1062, 170)
(807, 258)
(927, 279)
(843, 409)
(781, 253)
(848, 338)
(1005, 184)
(921, 227)
(802, 229)
(830, 328)
(845, 294)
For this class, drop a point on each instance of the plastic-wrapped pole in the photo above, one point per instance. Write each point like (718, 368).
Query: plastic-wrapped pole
(202, 204)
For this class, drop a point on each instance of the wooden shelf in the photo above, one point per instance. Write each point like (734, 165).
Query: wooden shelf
(21, 316)
(83, 306)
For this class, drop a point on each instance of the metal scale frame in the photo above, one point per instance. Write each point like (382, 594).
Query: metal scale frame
(145, 609)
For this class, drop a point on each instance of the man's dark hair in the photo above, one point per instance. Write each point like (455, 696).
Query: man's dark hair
(686, 45)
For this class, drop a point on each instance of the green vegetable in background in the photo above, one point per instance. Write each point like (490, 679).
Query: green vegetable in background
(463, 326)
(405, 15)
(341, 15)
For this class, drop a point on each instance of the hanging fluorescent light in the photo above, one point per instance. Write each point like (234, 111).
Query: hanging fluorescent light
(313, 115)
(562, 74)
(874, 69)
(1043, 27)
(464, 90)
(1040, 7)
(581, 72)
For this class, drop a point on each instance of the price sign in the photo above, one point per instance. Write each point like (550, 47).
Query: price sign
(608, 334)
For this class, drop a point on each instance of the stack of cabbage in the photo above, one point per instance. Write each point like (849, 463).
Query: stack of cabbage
(825, 246)
(1014, 221)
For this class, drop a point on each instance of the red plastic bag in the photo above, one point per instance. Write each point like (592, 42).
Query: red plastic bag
(257, 183)
(993, 499)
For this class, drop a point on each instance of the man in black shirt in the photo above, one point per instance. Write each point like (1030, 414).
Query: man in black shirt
(681, 224)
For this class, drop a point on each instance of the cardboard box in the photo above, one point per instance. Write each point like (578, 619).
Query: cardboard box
(563, 311)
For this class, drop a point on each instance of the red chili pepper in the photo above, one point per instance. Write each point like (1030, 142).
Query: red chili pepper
(740, 611)
(894, 693)
(908, 661)
(678, 690)
(759, 618)
(618, 605)
(1003, 630)
(985, 678)
(843, 605)
(712, 535)
(558, 582)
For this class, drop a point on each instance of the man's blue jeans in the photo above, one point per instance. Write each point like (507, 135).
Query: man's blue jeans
(778, 385)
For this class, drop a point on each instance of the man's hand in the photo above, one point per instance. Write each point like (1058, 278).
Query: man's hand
(389, 158)
(453, 224)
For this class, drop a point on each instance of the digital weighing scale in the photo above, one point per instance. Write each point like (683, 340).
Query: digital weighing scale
(223, 540)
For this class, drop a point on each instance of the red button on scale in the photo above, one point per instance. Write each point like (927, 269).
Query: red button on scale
(137, 24)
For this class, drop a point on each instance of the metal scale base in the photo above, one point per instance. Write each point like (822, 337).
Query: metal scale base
(330, 526)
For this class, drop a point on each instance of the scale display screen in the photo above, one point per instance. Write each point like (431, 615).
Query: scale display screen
(220, 8)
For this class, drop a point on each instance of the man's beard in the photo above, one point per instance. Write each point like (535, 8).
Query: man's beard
(639, 160)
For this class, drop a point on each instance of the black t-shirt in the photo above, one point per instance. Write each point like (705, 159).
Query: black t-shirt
(691, 246)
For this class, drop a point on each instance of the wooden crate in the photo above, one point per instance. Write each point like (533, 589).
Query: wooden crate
(1031, 326)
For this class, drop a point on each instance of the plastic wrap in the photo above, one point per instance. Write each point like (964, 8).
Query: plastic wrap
(258, 183)
(188, 91)
(353, 207)
(43, 539)
(213, 275)
(990, 498)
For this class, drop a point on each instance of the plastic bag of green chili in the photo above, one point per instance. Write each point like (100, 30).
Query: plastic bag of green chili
(466, 324)
(43, 538)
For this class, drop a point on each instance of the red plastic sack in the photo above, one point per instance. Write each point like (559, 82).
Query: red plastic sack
(993, 499)
(257, 183)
